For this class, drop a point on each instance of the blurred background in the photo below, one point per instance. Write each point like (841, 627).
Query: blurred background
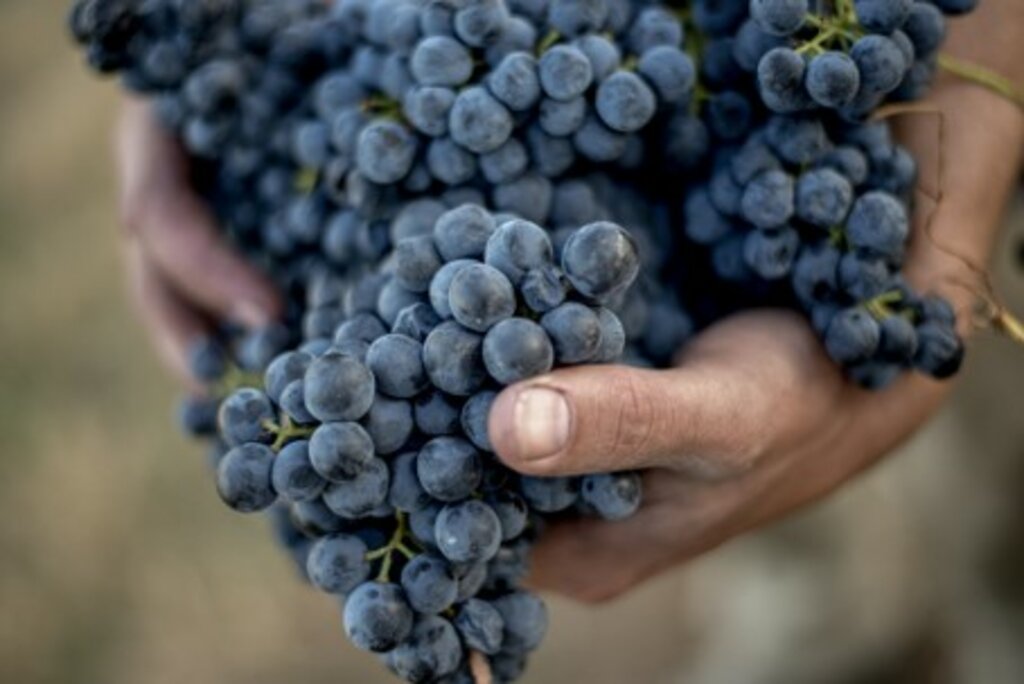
(119, 565)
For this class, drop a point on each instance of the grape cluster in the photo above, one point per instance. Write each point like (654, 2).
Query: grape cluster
(376, 446)
(457, 195)
(848, 55)
(825, 212)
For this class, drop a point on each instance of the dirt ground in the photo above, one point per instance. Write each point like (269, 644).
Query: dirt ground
(118, 565)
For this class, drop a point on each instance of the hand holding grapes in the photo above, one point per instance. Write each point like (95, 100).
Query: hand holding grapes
(755, 421)
(181, 272)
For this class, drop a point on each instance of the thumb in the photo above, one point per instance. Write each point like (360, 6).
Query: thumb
(744, 387)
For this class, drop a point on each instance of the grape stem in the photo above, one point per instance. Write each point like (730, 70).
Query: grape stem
(397, 543)
(234, 379)
(879, 307)
(305, 180)
(285, 432)
(986, 78)
(547, 42)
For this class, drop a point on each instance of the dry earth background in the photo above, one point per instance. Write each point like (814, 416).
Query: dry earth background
(119, 566)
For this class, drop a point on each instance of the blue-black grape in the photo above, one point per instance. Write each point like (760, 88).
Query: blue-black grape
(516, 349)
(244, 480)
(338, 387)
(430, 587)
(615, 496)
(481, 296)
(377, 617)
(293, 476)
(340, 451)
(337, 563)
(432, 652)
(468, 532)
(481, 626)
(449, 468)
(574, 331)
(244, 417)
(362, 494)
(526, 621)
(397, 365)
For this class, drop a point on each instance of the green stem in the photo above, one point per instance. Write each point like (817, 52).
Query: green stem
(879, 307)
(547, 41)
(385, 554)
(817, 45)
(235, 379)
(286, 431)
(986, 78)
(305, 180)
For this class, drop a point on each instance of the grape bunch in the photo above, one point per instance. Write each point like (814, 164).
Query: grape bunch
(458, 195)
(376, 449)
(846, 55)
(829, 218)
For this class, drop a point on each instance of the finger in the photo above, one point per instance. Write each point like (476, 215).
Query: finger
(595, 560)
(745, 388)
(171, 324)
(179, 232)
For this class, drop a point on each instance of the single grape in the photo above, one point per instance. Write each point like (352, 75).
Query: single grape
(385, 151)
(340, 451)
(453, 359)
(526, 621)
(397, 364)
(463, 232)
(338, 387)
(615, 496)
(337, 563)
(437, 414)
(449, 468)
(506, 163)
(833, 79)
(429, 584)
(516, 349)
(823, 198)
(441, 61)
(481, 626)
(601, 260)
(549, 494)
(431, 653)
(361, 495)
(574, 331)
(377, 617)
(654, 26)
(244, 417)
(468, 532)
(853, 335)
(565, 72)
(475, 414)
(244, 480)
(481, 296)
(479, 23)
(768, 199)
(514, 82)
(478, 121)
(624, 102)
(389, 424)
(293, 476)
(670, 72)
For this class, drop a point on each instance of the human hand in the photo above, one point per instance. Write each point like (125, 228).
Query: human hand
(755, 421)
(182, 274)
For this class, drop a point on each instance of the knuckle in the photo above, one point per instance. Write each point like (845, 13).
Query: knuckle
(636, 414)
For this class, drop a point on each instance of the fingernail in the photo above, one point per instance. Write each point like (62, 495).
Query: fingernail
(542, 422)
(250, 315)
